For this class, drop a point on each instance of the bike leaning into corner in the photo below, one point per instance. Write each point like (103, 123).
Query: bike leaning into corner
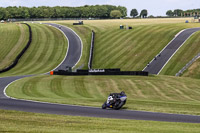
(115, 101)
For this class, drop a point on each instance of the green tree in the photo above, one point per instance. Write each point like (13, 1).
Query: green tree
(177, 12)
(115, 14)
(2, 13)
(170, 13)
(134, 13)
(144, 13)
(123, 10)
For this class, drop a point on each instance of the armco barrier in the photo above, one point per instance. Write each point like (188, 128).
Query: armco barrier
(91, 51)
(188, 65)
(100, 72)
(14, 63)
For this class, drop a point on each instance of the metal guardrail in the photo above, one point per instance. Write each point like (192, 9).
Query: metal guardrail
(91, 51)
(188, 65)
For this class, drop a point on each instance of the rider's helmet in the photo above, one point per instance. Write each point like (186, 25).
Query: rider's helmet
(122, 93)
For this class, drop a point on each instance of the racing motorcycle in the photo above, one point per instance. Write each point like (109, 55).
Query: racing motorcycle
(115, 101)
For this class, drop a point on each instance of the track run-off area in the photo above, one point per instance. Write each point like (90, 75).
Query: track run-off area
(72, 58)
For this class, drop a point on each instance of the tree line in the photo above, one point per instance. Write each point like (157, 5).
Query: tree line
(181, 13)
(175, 13)
(96, 11)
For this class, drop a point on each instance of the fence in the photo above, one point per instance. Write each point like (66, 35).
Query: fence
(100, 72)
(14, 63)
(188, 65)
(91, 51)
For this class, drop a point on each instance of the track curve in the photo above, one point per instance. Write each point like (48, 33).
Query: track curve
(158, 63)
(41, 107)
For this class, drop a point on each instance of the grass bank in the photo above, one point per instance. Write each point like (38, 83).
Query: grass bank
(14, 121)
(185, 54)
(128, 49)
(193, 71)
(47, 50)
(14, 38)
(158, 94)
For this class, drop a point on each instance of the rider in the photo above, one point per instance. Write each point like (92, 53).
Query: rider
(117, 95)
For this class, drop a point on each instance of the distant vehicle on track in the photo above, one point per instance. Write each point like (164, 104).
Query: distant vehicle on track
(115, 101)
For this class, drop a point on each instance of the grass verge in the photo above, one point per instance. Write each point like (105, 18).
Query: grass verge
(15, 121)
(46, 51)
(193, 71)
(155, 93)
(13, 38)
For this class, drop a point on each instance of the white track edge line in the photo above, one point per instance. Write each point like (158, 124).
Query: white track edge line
(69, 104)
(67, 48)
(38, 101)
(90, 52)
(4, 91)
(79, 39)
(175, 53)
(167, 45)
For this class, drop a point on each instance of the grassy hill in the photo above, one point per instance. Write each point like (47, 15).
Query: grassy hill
(131, 49)
(46, 51)
(13, 39)
(193, 71)
(154, 93)
(127, 49)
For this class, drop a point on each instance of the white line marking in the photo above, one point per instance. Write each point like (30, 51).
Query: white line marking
(174, 53)
(4, 91)
(38, 101)
(79, 39)
(90, 52)
(67, 48)
(166, 46)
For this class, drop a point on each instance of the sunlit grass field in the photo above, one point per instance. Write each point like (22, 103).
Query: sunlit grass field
(114, 48)
(13, 38)
(154, 93)
(14, 121)
(47, 50)
(193, 71)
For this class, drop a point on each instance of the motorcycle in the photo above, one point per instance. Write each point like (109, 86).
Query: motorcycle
(115, 101)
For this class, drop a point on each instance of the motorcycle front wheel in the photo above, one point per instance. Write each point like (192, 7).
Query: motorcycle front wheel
(104, 106)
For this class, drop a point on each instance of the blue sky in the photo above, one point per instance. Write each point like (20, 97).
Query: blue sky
(154, 7)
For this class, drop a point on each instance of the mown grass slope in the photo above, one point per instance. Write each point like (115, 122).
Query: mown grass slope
(14, 121)
(185, 54)
(159, 94)
(13, 38)
(47, 50)
(127, 49)
(193, 71)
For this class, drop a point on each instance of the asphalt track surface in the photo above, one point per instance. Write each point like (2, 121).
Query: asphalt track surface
(60, 109)
(74, 49)
(158, 63)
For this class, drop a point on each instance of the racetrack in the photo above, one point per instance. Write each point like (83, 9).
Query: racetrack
(71, 60)
(158, 63)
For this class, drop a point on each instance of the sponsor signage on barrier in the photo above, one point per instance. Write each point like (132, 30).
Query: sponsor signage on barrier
(100, 72)
(97, 70)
